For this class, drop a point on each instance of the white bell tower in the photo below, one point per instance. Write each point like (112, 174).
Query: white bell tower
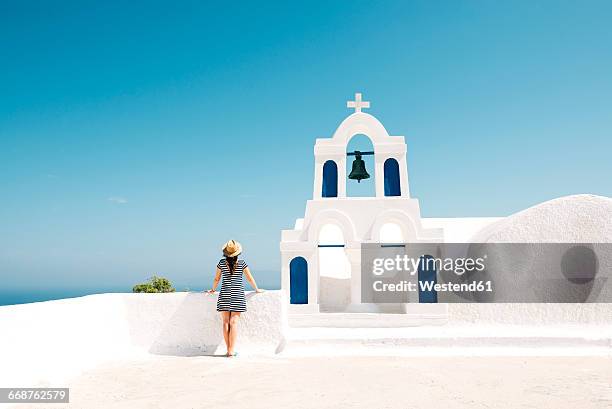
(321, 255)
(387, 149)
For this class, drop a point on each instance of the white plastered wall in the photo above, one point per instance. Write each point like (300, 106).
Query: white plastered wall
(48, 342)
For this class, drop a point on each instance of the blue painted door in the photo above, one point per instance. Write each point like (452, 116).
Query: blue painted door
(298, 281)
(392, 179)
(330, 179)
(427, 274)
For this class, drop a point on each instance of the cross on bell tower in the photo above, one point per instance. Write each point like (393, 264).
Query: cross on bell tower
(358, 104)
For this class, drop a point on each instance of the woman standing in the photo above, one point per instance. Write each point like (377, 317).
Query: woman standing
(232, 301)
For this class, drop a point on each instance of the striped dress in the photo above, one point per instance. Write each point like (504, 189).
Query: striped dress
(231, 296)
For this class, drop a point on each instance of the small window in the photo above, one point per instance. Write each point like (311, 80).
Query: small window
(298, 281)
(392, 179)
(330, 179)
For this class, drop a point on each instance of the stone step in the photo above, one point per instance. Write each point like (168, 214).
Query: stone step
(495, 340)
(366, 320)
(362, 316)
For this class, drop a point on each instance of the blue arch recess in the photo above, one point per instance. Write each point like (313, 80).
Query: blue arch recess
(392, 179)
(330, 179)
(427, 274)
(298, 281)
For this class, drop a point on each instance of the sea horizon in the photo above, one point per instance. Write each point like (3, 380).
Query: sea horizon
(18, 296)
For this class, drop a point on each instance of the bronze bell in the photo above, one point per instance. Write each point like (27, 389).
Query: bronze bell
(359, 171)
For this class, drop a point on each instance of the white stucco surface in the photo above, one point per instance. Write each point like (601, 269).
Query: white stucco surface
(50, 341)
(568, 219)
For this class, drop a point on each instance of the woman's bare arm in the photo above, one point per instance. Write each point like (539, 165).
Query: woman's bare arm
(251, 280)
(216, 282)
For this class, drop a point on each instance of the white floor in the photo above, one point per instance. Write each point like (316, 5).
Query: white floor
(346, 382)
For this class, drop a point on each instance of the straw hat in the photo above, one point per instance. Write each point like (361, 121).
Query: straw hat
(231, 248)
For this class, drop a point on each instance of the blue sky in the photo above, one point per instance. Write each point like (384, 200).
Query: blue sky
(136, 139)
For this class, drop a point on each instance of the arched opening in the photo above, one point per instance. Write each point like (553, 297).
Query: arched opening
(392, 178)
(391, 233)
(334, 270)
(366, 187)
(298, 281)
(427, 279)
(330, 179)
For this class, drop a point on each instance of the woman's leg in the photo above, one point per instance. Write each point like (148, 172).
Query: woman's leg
(233, 332)
(225, 317)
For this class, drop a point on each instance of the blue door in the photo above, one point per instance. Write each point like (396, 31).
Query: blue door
(298, 281)
(392, 179)
(330, 179)
(427, 276)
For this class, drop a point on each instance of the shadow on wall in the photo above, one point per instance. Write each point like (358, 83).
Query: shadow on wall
(193, 330)
(190, 331)
(188, 324)
(174, 324)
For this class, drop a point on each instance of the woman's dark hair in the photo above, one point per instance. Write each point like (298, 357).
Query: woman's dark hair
(231, 262)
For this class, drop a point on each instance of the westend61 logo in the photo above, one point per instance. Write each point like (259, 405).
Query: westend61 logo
(486, 272)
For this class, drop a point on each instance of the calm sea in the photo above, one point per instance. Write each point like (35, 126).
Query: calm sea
(19, 296)
(22, 296)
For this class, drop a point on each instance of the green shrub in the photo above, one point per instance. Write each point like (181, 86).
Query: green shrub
(154, 285)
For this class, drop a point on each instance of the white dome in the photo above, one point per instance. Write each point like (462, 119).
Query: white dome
(570, 219)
